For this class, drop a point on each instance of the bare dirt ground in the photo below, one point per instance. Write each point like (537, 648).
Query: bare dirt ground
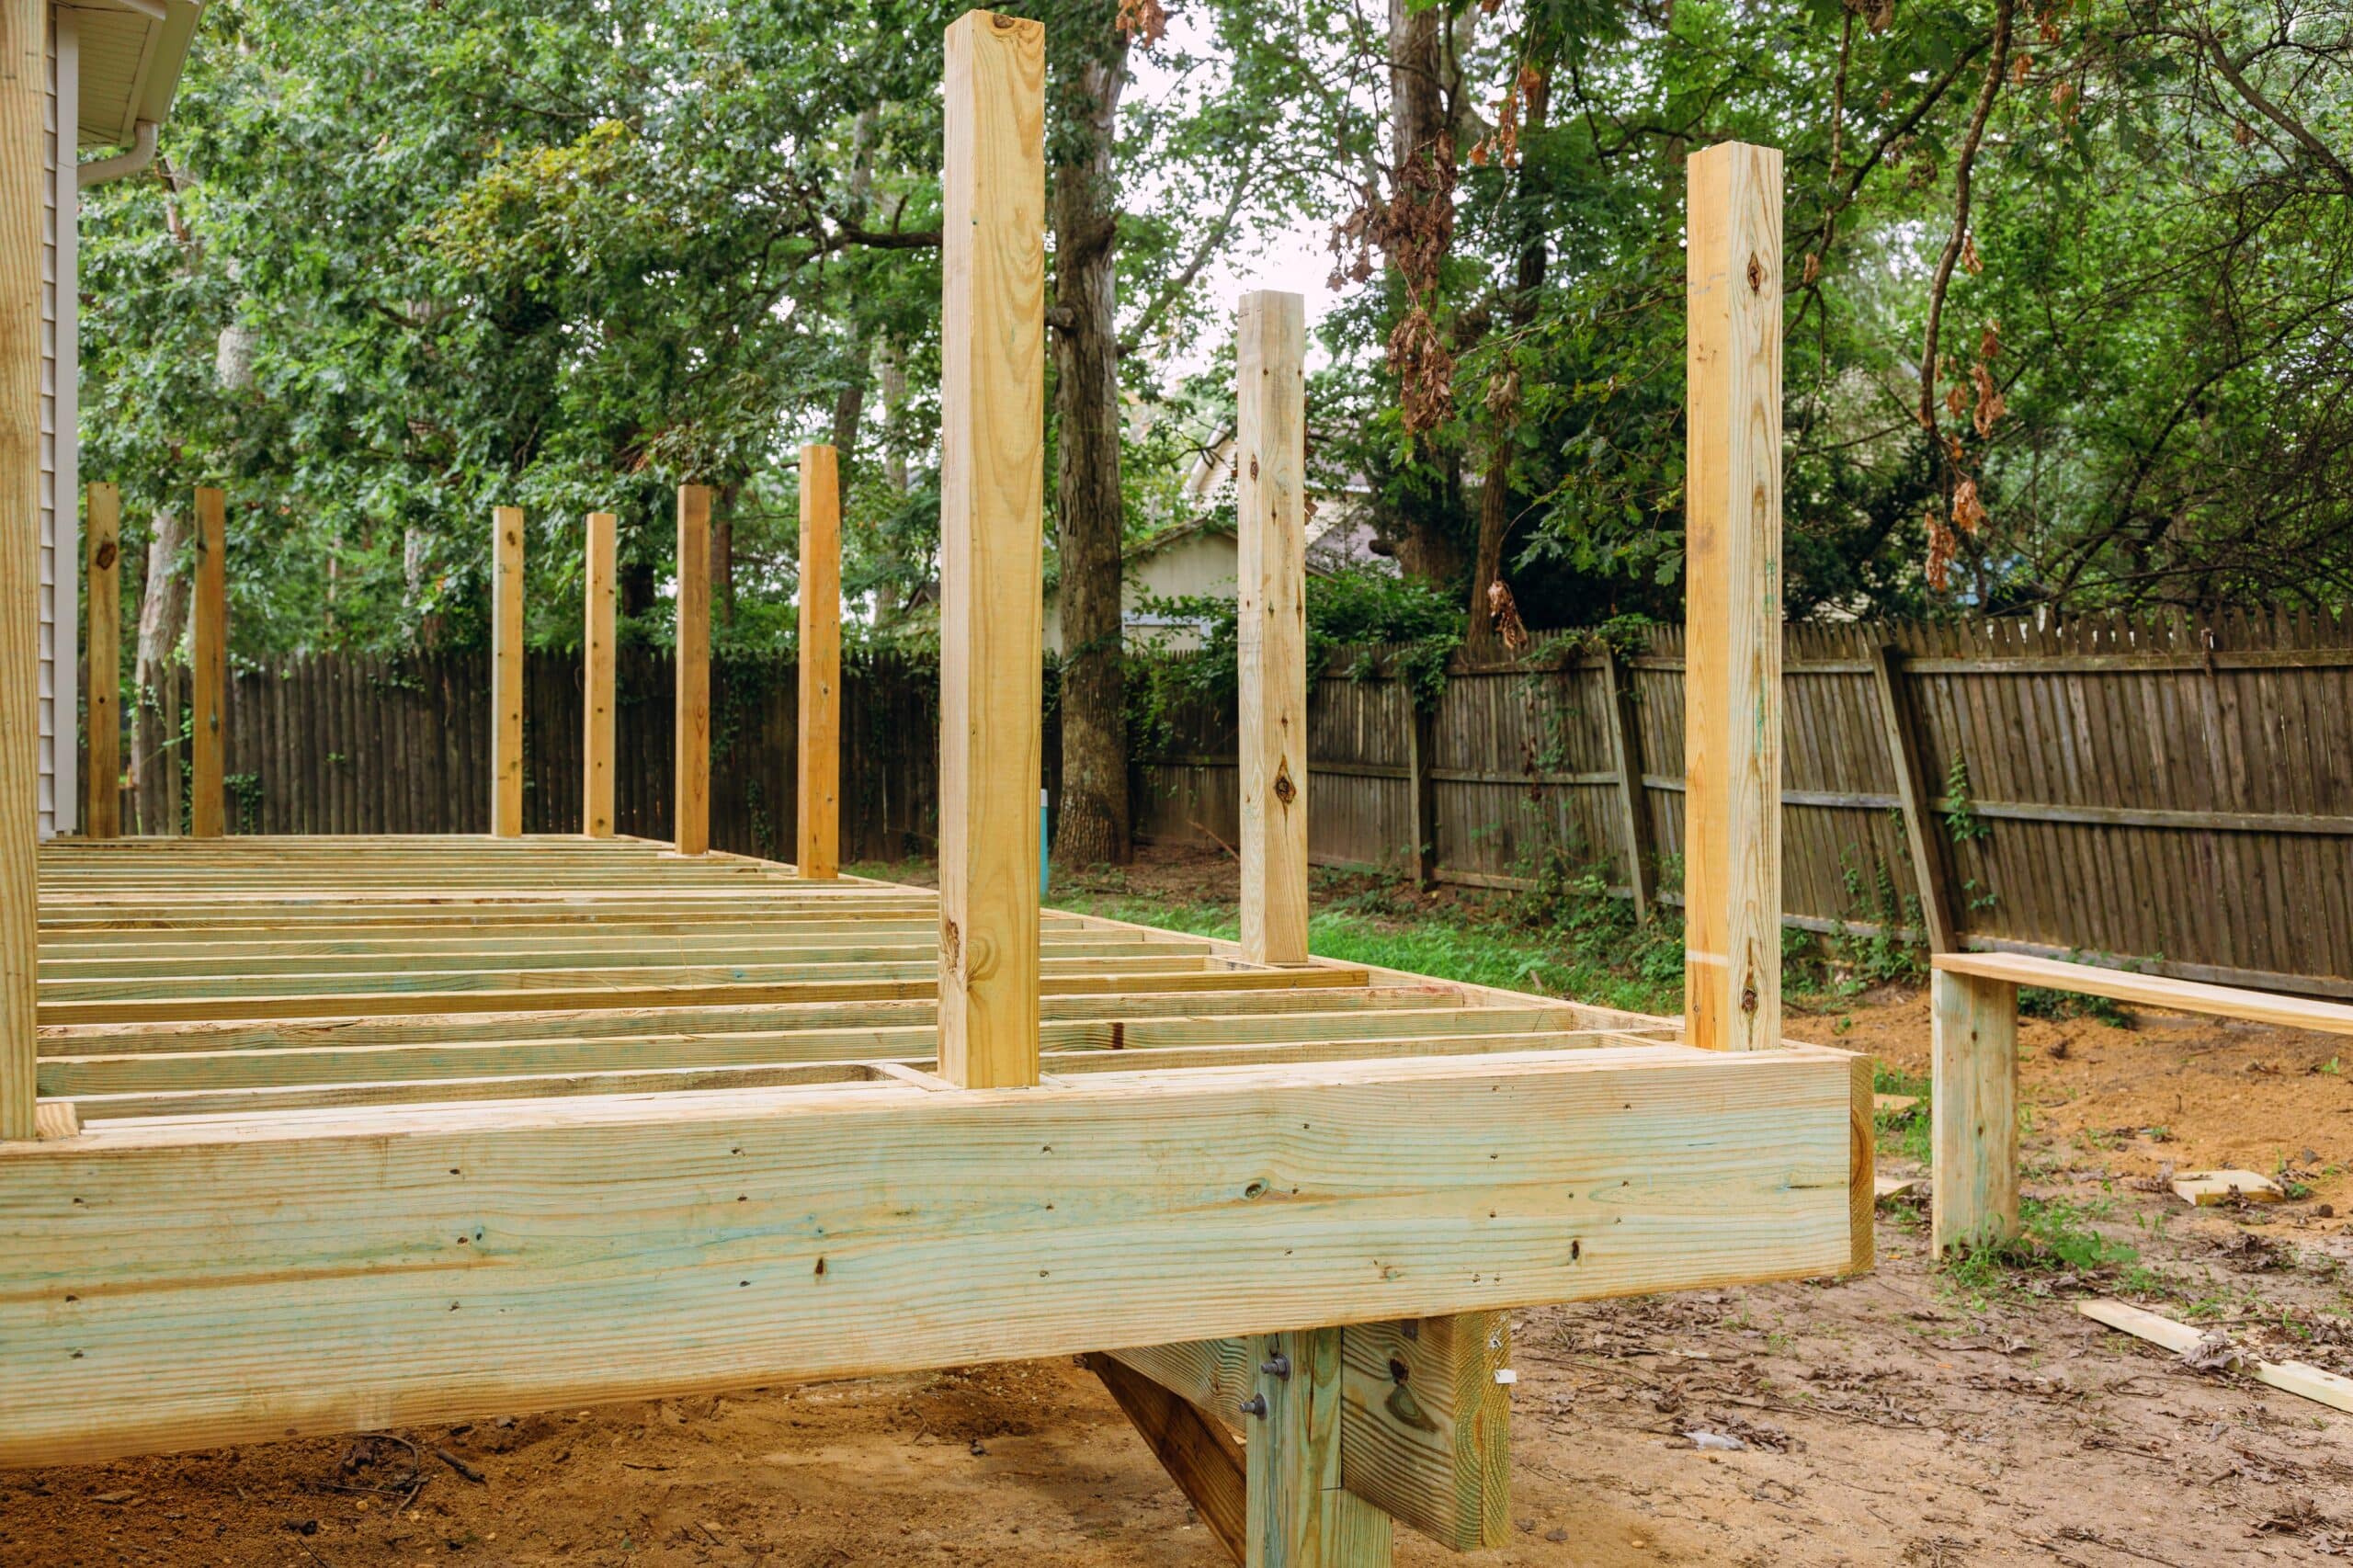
(1912, 1416)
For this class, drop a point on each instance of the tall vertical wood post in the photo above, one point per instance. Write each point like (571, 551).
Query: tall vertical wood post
(207, 803)
(1732, 730)
(1270, 514)
(1973, 1109)
(817, 791)
(24, 90)
(1633, 806)
(1918, 797)
(691, 803)
(102, 787)
(596, 697)
(992, 488)
(506, 672)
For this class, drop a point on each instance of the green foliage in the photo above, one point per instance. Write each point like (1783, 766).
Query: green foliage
(2056, 1236)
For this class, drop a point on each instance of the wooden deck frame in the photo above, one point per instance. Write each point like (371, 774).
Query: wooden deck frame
(1216, 1149)
(570, 1118)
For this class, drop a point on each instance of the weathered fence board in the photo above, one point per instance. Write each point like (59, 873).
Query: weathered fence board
(2174, 791)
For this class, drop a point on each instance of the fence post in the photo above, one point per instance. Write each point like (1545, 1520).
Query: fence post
(506, 672)
(1421, 799)
(690, 808)
(23, 98)
(817, 790)
(1633, 806)
(102, 788)
(992, 394)
(597, 698)
(1731, 733)
(1913, 787)
(1270, 458)
(209, 667)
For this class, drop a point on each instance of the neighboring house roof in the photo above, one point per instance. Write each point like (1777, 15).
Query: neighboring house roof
(133, 52)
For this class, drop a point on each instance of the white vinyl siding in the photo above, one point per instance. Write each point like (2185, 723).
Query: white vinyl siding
(60, 607)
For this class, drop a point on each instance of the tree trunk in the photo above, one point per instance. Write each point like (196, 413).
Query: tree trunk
(894, 402)
(1094, 827)
(1496, 508)
(158, 680)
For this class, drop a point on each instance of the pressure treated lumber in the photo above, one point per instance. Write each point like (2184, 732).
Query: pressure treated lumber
(1973, 1109)
(506, 672)
(102, 785)
(2153, 990)
(1425, 1424)
(225, 1280)
(991, 526)
(207, 801)
(1300, 1515)
(819, 757)
(23, 99)
(1733, 566)
(690, 793)
(597, 652)
(2289, 1377)
(1270, 496)
(1200, 1454)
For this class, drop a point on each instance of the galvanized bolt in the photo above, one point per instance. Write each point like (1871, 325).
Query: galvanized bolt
(1255, 1405)
(1276, 1366)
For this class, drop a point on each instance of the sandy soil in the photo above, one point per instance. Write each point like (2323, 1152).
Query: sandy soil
(1909, 1416)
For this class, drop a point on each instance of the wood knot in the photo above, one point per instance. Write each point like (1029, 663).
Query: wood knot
(1748, 998)
(951, 943)
(1285, 790)
(107, 556)
(1755, 275)
(1253, 468)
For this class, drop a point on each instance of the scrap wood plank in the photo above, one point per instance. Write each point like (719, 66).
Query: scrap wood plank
(2289, 1377)
(2206, 1188)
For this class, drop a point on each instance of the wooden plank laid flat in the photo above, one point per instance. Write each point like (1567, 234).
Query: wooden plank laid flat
(597, 656)
(207, 803)
(1270, 498)
(23, 105)
(690, 787)
(102, 807)
(232, 1278)
(506, 672)
(2289, 1377)
(1732, 704)
(818, 757)
(2153, 990)
(992, 498)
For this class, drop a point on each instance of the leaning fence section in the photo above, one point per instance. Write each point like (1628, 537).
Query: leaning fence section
(2175, 791)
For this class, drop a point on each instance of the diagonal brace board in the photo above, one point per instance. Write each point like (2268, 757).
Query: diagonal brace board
(222, 1280)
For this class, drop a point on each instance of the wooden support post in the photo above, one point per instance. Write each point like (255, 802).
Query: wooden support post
(1199, 1453)
(1633, 806)
(818, 788)
(1270, 463)
(23, 104)
(1918, 797)
(207, 803)
(506, 672)
(1973, 1109)
(691, 805)
(1731, 733)
(597, 699)
(1421, 797)
(991, 546)
(1299, 1513)
(102, 786)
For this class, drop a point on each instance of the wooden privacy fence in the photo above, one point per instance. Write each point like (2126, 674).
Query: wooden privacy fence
(347, 742)
(2174, 791)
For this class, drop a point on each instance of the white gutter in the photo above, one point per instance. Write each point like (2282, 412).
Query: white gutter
(98, 171)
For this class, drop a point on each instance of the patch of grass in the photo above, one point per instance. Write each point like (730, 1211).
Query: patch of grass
(2040, 1002)
(1904, 1134)
(2055, 1235)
